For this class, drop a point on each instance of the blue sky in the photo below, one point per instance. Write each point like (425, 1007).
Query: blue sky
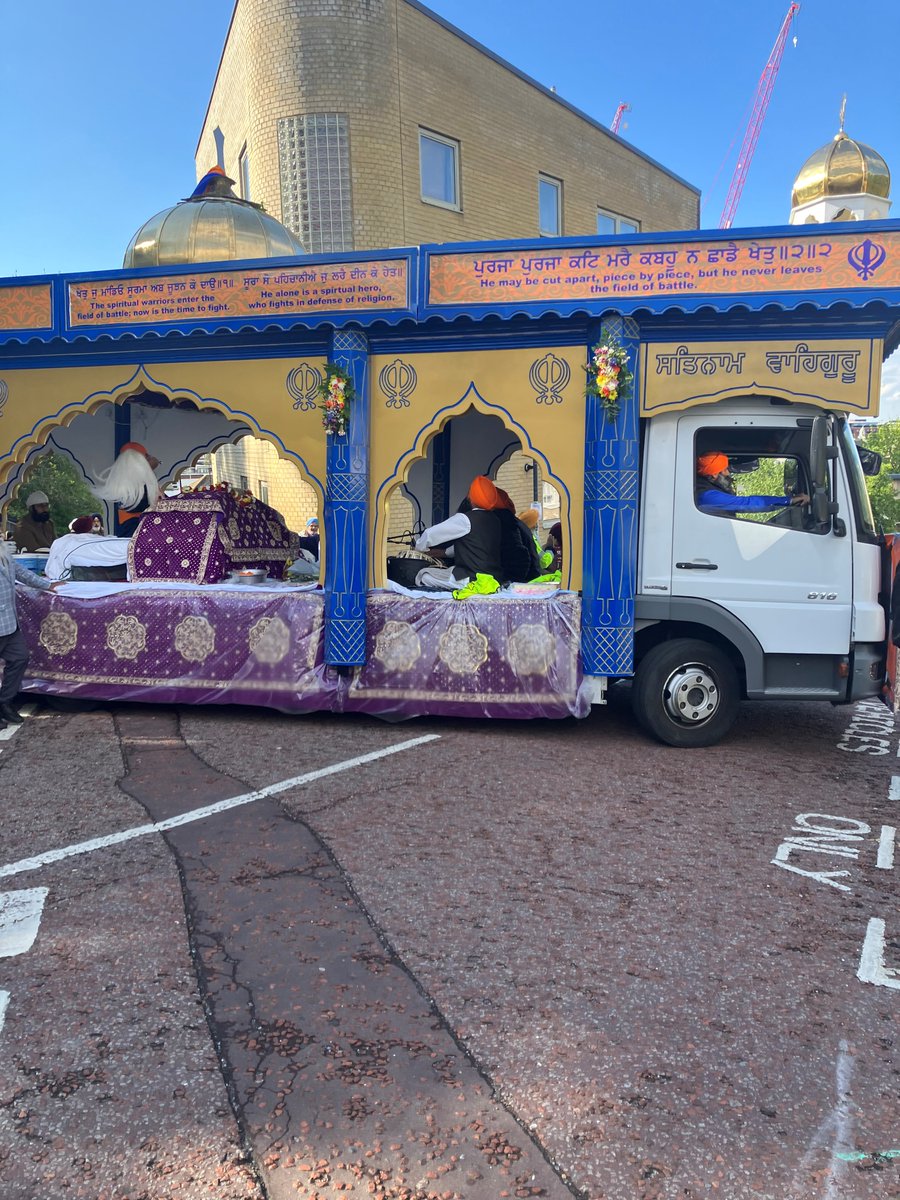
(102, 102)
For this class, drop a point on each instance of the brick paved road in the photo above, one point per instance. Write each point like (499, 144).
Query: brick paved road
(519, 959)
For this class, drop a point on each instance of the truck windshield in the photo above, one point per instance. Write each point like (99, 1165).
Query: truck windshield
(862, 508)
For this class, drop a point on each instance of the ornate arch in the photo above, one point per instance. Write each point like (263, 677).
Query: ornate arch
(36, 440)
(471, 398)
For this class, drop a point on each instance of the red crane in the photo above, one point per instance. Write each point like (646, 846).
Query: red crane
(760, 103)
(617, 119)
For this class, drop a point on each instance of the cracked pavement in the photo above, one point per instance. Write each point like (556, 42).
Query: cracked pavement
(527, 959)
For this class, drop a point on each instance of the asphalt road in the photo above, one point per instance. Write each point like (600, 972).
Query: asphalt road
(252, 955)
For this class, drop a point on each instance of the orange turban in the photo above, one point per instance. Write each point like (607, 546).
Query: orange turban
(134, 446)
(483, 493)
(712, 464)
(529, 517)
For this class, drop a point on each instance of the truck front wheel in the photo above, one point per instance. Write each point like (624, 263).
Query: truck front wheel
(686, 693)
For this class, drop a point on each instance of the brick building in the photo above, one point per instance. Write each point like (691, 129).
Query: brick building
(369, 123)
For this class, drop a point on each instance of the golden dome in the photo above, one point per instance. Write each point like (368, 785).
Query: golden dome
(214, 226)
(843, 167)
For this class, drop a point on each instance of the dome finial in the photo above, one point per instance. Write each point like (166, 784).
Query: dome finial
(840, 132)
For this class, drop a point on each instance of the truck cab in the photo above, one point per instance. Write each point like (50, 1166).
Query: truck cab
(781, 603)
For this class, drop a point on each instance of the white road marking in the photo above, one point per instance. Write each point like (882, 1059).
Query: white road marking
(886, 847)
(20, 916)
(10, 730)
(894, 790)
(871, 960)
(836, 1129)
(198, 814)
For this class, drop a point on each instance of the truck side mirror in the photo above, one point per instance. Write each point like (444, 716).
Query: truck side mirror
(870, 460)
(821, 507)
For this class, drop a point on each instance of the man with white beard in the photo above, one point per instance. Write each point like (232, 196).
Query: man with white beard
(130, 482)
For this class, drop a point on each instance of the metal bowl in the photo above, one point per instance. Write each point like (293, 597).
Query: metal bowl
(249, 575)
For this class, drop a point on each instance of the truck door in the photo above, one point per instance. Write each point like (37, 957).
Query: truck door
(790, 584)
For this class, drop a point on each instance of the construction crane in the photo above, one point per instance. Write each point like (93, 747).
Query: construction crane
(617, 119)
(758, 114)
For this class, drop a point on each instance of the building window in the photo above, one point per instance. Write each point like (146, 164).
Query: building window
(314, 166)
(244, 173)
(245, 483)
(610, 223)
(263, 491)
(549, 206)
(439, 169)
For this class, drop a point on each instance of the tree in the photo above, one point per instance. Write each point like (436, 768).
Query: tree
(67, 492)
(885, 440)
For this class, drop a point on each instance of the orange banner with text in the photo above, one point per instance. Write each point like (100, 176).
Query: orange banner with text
(778, 264)
(219, 295)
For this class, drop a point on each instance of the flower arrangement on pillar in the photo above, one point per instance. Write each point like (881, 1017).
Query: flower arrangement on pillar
(608, 373)
(337, 392)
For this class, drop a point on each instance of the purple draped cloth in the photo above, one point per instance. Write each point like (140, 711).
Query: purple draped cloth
(498, 657)
(201, 537)
(180, 646)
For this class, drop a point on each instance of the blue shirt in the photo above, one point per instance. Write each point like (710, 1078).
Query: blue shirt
(9, 572)
(713, 498)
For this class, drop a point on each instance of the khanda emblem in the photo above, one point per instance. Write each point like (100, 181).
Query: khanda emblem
(303, 384)
(549, 376)
(4, 395)
(397, 382)
(866, 258)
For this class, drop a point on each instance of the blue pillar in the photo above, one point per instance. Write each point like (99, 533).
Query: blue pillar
(440, 485)
(611, 519)
(346, 512)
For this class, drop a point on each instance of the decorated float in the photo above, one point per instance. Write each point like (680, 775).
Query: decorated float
(430, 365)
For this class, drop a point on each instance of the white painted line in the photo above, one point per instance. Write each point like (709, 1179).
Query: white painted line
(20, 916)
(894, 790)
(4, 1000)
(886, 848)
(871, 961)
(834, 1133)
(198, 814)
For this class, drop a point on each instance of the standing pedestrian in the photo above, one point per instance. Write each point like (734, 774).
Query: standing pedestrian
(13, 649)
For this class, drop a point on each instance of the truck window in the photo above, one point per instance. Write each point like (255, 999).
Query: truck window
(753, 474)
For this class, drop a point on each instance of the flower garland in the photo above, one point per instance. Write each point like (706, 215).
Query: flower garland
(608, 374)
(337, 393)
(242, 496)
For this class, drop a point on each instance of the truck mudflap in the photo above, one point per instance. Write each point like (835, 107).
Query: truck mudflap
(890, 598)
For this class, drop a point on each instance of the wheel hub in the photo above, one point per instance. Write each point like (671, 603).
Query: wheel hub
(691, 694)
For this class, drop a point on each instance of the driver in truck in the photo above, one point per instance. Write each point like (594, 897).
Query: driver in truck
(716, 494)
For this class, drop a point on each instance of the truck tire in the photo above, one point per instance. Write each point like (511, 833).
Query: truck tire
(686, 693)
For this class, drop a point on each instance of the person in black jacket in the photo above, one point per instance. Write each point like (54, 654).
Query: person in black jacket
(518, 552)
(470, 540)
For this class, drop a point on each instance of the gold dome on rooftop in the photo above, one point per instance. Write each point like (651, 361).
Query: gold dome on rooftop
(213, 225)
(843, 167)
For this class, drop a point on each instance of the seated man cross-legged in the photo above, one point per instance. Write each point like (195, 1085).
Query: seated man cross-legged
(470, 539)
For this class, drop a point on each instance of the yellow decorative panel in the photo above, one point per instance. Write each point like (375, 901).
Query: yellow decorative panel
(841, 373)
(275, 397)
(538, 393)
